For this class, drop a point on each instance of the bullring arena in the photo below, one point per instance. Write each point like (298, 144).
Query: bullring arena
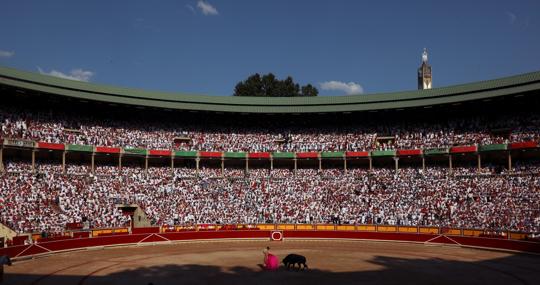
(335, 254)
(105, 185)
(238, 262)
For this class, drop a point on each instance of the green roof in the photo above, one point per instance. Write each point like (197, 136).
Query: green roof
(88, 91)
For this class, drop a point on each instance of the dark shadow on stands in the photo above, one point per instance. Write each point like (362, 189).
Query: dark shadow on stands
(514, 269)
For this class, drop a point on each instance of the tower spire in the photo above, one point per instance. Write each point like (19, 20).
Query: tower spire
(425, 56)
(424, 72)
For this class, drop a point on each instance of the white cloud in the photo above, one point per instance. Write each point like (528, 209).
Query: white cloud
(75, 74)
(206, 8)
(5, 53)
(511, 17)
(348, 88)
(190, 8)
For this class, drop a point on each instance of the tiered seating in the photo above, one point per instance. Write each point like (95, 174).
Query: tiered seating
(411, 197)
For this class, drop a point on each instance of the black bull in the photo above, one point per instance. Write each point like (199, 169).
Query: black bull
(293, 259)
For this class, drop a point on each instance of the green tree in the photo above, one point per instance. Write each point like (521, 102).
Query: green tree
(250, 87)
(309, 90)
(269, 86)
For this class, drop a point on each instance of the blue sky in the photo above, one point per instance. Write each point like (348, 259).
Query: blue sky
(206, 47)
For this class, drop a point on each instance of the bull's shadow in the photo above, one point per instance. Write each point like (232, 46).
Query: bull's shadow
(513, 269)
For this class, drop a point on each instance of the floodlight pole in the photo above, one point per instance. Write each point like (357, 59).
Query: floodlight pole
(1, 159)
(509, 162)
(33, 161)
(120, 164)
(450, 163)
(64, 162)
(146, 164)
(222, 167)
(93, 163)
(172, 165)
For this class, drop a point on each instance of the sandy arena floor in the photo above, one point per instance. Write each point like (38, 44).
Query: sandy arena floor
(237, 262)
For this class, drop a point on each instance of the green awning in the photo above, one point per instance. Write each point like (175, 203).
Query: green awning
(137, 151)
(376, 153)
(332, 154)
(235, 154)
(78, 147)
(283, 154)
(435, 151)
(492, 147)
(182, 153)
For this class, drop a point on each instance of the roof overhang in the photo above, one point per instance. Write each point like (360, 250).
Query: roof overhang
(483, 90)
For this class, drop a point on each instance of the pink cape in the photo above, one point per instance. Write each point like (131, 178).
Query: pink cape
(272, 262)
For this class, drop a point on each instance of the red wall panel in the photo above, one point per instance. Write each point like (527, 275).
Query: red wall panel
(89, 242)
(13, 250)
(462, 149)
(259, 155)
(19, 240)
(161, 152)
(210, 154)
(34, 249)
(521, 145)
(409, 152)
(307, 155)
(357, 154)
(499, 243)
(55, 146)
(106, 149)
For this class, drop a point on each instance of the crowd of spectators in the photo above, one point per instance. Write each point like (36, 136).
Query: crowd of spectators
(46, 202)
(63, 128)
(48, 199)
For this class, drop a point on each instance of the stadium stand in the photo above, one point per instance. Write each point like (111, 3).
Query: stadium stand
(471, 164)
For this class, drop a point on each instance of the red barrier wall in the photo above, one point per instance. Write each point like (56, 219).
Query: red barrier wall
(80, 243)
(358, 235)
(499, 243)
(19, 240)
(149, 230)
(81, 234)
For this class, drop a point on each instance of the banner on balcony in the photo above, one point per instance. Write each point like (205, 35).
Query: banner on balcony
(19, 143)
